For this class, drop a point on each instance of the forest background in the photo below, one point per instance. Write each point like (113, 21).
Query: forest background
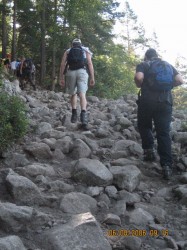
(43, 30)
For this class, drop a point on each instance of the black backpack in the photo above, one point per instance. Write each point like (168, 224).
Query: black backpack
(76, 58)
(27, 65)
(160, 75)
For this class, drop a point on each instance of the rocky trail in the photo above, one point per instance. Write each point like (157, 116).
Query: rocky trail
(62, 188)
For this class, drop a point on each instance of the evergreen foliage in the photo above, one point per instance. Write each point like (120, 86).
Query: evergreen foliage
(180, 98)
(13, 120)
(45, 29)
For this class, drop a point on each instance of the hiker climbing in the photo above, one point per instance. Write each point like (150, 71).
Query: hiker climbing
(156, 78)
(74, 69)
(26, 72)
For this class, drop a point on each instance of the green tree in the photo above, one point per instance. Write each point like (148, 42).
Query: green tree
(4, 28)
(181, 65)
(132, 32)
(114, 73)
(13, 120)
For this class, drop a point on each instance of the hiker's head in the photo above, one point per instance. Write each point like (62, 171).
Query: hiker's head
(150, 53)
(76, 42)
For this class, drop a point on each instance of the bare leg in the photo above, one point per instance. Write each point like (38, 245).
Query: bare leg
(74, 101)
(83, 101)
(74, 108)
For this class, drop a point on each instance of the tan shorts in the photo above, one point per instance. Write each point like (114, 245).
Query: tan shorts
(76, 81)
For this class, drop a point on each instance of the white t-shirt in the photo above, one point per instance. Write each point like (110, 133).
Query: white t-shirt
(13, 65)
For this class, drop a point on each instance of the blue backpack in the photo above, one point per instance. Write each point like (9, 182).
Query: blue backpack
(76, 58)
(160, 75)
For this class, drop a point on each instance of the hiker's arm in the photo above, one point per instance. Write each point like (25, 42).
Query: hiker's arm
(178, 80)
(138, 78)
(21, 67)
(62, 68)
(91, 69)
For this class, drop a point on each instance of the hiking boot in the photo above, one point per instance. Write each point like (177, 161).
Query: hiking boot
(84, 118)
(74, 117)
(167, 172)
(85, 127)
(149, 155)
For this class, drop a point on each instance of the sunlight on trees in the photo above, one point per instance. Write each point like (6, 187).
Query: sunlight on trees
(43, 29)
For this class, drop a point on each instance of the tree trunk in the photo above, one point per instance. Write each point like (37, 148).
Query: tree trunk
(43, 50)
(14, 42)
(54, 77)
(4, 30)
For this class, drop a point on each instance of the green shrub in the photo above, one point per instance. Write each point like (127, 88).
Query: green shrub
(13, 120)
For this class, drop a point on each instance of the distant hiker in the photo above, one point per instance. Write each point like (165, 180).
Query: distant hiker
(74, 68)
(13, 66)
(156, 78)
(26, 72)
(1, 63)
(7, 63)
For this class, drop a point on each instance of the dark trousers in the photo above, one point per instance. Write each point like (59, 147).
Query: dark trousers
(28, 77)
(159, 113)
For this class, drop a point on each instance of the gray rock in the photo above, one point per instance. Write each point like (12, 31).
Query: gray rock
(102, 133)
(140, 217)
(158, 213)
(106, 143)
(182, 244)
(180, 137)
(93, 99)
(119, 208)
(127, 177)
(184, 160)
(39, 150)
(12, 242)
(104, 198)
(39, 169)
(94, 191)
(80, 150)
(43, 127)
(65, 144)
(176, 125)
(14, 218)
(123, 122)
(76, 203)
(123, 162)
(58, 155)
(112, 219)
(181, 192)
(60, 186)
(23, 190)
(82, 232)
(50, 142)
(183, 178)
(171, 243)
(132, 147)
(131, 242)
(129, 198)
(91, 172)
(53, 134)
(111, 191)
(11, 87)
(16, 160)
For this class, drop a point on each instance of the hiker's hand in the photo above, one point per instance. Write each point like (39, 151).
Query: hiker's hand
(62, 83)
(92, 82)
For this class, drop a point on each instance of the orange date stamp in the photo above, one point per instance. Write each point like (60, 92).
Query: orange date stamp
(138, 232)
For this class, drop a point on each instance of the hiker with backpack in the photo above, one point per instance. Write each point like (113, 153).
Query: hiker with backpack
(156, 78)
(76, 67)
(26, 72)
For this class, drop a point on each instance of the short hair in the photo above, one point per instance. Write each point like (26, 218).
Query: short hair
(150, 53)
